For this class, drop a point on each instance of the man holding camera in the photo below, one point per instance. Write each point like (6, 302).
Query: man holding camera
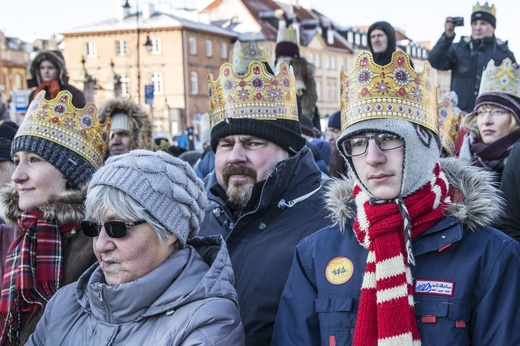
(467, 59)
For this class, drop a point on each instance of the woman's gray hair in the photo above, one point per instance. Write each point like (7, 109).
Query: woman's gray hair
(103, 198)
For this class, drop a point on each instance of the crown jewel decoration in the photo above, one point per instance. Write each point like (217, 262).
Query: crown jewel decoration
(504, 78)
(485, 8)
(393, 91)
(77, 129)
(256, 95)
(245, 53)
(450, 118)
(288, 34)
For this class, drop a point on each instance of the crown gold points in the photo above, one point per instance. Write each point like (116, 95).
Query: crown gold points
(392, 91)
(245, 53)
(485, 8)
(77, 129)
(504, 78)
(449, 125)
(256, 95)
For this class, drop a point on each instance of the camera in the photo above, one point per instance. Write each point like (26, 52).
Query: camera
(458, 21)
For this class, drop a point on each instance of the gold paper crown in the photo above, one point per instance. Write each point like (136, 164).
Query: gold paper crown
(393, 91)
(77, 129)
(449, 125)
(288, 34)
(504, 78)
(245, 53)
(256, 95)
(485, 8)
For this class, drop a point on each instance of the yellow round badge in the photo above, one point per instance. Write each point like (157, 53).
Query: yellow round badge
(339, 270)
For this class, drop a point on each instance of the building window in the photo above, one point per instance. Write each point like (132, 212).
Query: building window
(125, 83)
(91, 49)
(193, 46)
(357, 40)
(317, 60)
(350, 37)
(333, 63)
(209, 48)
(310, 58)
(121, 48)
(326, 61)
(318, 89)
(364, 42)
(156, 45)
(157, 82)
(223, 51)
(194, 78)
(18, 81)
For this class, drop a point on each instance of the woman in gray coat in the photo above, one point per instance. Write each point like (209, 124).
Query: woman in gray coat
(155, 283)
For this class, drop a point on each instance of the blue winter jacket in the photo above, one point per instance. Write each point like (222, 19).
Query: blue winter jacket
(465, 279)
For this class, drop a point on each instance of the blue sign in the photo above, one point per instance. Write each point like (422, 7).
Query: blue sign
(148, 94)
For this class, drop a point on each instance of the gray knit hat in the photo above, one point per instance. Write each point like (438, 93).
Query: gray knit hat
(165, 186)
(421, 149)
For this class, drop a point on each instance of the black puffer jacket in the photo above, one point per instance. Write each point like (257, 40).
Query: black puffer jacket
(466, 60)
(261, 242)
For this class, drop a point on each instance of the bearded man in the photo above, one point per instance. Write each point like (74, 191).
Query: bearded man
(266, 190)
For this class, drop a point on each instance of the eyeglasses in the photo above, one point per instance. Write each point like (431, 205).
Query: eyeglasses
(114, 229)
(493, 112)
(358, 146)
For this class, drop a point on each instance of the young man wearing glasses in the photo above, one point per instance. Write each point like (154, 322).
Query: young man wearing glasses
(411, 259)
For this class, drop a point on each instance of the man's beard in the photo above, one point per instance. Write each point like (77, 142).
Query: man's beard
(238, 194)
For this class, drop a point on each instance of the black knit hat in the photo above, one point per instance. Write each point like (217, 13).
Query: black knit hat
(76, 169)
(335, 120)
(285, 133)
(8, 129)
(488, 17)
(5, 149)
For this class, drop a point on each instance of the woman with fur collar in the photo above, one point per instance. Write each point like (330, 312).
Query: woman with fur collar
(411, 258)
(56, 150)
(48, 73)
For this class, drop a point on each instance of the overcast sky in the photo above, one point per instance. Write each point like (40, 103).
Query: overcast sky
(421, 20)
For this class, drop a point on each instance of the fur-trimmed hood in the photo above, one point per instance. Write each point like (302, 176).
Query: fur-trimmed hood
(67, 207)
(53, 56)
(475, 201)
(141, 125)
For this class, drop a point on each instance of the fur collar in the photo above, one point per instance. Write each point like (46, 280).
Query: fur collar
(475, 201)
(67, 207)
(141, 124)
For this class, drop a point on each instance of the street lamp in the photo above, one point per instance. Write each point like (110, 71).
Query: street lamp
(148, 45)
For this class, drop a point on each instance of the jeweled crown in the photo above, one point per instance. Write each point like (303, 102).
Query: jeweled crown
(485, 8)
(450, 118)
(288, 34)
(392, 91)
(244, 53)
(77, 129)
(257, 94)
(504, 78)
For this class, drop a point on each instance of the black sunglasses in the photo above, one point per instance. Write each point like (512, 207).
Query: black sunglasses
(114, 229)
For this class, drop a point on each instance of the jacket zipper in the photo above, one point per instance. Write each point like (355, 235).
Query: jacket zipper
(107, 308)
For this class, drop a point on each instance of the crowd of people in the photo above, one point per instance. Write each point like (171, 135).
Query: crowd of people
(396, 225)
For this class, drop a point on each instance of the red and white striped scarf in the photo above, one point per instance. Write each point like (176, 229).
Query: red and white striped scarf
(386, 313)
